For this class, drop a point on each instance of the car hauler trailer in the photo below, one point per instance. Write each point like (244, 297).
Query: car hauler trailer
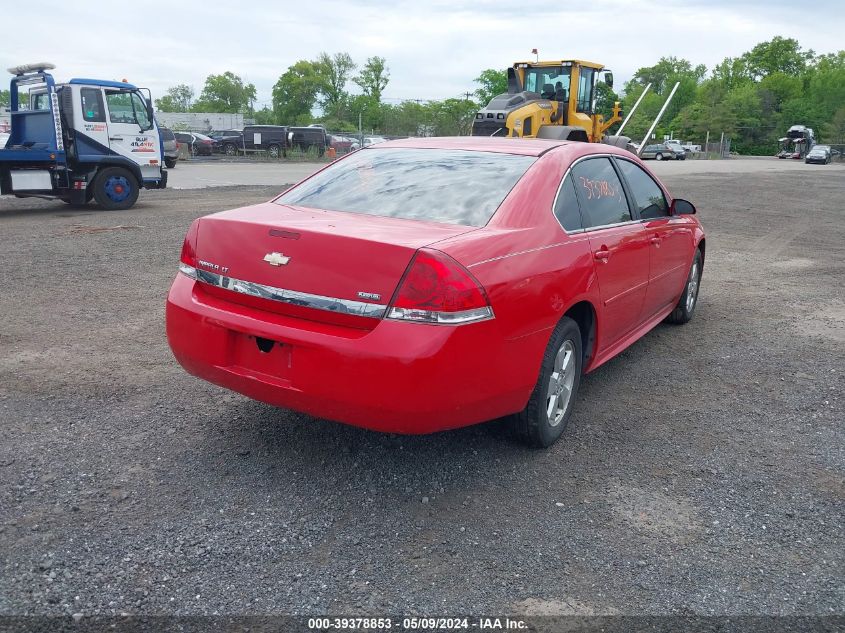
(84, 139)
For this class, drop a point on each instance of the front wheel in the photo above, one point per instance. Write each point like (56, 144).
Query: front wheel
(115, 189)
(689, 298)
(273, 151)
(230, 149)
(549, 408)
(658, 157)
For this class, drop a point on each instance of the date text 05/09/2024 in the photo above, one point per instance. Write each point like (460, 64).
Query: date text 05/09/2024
(417, 624)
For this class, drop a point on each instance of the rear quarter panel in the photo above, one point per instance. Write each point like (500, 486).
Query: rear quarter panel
(532, 270)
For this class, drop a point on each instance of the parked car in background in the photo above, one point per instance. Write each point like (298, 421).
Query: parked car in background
(198, 144)
(171, 147)
(203, 145)
(658, 151)
(373, 140)
(307, 138)
(820, 154)
(229, 142)
(272, 139)
(675, 146)
(341, 144)
(430, 284)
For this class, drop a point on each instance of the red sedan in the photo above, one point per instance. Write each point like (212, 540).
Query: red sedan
(427, 284)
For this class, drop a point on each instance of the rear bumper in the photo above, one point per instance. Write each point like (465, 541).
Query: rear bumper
(398, 377)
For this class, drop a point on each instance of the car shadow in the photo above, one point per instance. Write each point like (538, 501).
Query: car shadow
(277, 447)
(59, 209)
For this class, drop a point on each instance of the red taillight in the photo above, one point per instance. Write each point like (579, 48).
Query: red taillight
(437, 289)
(188, 258)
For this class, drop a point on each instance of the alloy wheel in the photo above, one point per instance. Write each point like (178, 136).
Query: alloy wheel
(559, 391)
(692, 287)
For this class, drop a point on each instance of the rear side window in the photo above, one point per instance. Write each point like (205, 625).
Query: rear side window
(566, 207)
(166, 134)
(92, 105)
(435, 185)
(600, 193)
(41, 101)
(648, 196)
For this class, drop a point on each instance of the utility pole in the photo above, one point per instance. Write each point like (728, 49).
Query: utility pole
(467, 95)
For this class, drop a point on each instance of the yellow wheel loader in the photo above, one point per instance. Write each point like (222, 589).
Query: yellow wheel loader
(553, 100)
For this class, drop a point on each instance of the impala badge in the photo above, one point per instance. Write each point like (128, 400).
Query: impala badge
(276, 259)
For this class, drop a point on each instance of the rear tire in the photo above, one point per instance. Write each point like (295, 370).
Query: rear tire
(115, 189)
(273, 151)
(658, 157)
(689, 297)
(549, 408)
(170, 163)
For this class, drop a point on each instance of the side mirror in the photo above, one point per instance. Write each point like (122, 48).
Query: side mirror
(608, 79)
(682, 207)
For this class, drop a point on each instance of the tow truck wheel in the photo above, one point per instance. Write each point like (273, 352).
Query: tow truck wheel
(115, 189)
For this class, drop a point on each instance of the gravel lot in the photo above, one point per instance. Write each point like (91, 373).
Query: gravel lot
(703, 471)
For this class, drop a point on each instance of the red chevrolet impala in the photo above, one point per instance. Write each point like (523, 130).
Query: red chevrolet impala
(428, 284)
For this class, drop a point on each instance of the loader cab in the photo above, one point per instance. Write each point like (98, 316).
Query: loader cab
(554, 100)
(571, 82)
(549, 82)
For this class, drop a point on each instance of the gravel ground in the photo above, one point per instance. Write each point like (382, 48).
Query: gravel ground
(703, 471)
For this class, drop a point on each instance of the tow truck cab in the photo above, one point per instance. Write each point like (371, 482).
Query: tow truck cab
(83, 139)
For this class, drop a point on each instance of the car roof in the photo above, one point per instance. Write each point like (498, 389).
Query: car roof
(500, 145)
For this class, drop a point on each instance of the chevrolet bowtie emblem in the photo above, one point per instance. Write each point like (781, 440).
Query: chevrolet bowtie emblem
(276, 259)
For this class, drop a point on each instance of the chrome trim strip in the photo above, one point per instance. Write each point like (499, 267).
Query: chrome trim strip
(610, 226)
(293, 297)
(427, 317)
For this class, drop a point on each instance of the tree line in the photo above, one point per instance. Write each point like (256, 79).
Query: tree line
(754, 98)
(321, 85)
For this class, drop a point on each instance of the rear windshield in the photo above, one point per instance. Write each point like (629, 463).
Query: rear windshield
(435, 185)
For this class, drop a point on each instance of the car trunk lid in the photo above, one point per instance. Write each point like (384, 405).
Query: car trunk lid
(327, 266)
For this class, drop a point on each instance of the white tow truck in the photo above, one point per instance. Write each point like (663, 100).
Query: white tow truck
(84, 139)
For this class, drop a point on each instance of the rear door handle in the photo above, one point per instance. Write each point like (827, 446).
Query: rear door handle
(655, 240)
(602, 255)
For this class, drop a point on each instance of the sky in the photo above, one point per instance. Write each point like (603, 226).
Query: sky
(434, 50)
